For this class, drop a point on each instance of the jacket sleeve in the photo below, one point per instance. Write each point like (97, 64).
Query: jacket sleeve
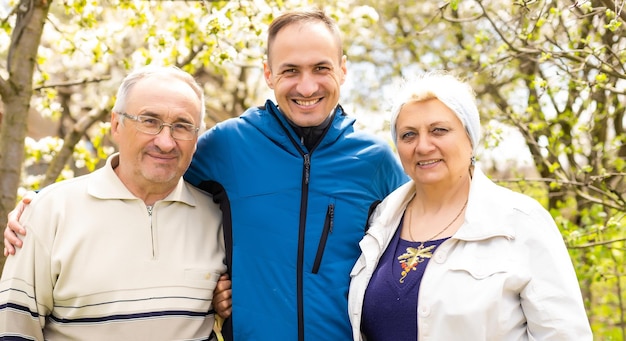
(552, 300)
(390, 174)
(197, 171)
(26, 290)
(212, 152)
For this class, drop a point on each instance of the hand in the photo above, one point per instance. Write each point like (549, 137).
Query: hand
(223, 297)
(13, 228)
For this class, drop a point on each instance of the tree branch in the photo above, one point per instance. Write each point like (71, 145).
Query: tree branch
(613, 6)
(69, 141)
(72, 83)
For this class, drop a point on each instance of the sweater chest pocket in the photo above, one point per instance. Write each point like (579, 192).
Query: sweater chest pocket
(201, 278)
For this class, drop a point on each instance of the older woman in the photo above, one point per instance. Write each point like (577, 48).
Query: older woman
(451, 255)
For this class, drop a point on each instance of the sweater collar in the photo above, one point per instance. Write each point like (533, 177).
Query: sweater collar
(106, 185)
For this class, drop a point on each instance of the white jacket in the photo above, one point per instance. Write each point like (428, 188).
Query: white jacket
(504, 275)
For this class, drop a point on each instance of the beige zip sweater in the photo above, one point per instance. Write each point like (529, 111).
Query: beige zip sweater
(96, 265)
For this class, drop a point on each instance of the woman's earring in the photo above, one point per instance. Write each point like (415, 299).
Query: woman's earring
(473, 160)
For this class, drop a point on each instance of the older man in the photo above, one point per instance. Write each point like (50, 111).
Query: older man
(129, 251)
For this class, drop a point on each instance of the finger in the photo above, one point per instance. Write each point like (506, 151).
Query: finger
(28, 197)
(15, 217)
(223, 285)
(13, 221)
(13, 229)
(11, 239)
(224, 308)
(223, 296)
(226, 313)
(8, 249)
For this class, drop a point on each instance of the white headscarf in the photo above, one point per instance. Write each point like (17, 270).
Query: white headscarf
(455, 94)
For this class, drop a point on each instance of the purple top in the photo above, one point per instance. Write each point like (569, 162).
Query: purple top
(390, 303)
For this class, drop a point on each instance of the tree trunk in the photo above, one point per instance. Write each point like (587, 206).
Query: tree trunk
(16, 92)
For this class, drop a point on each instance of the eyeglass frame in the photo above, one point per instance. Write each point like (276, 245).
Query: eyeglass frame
(137, 118)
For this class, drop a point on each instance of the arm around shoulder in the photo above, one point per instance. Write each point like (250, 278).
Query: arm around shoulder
(14, 228)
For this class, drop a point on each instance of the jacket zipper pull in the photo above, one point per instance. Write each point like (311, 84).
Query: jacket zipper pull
(331, 215)
(307, 168)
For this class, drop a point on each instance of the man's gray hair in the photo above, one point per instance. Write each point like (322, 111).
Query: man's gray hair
(146, 71)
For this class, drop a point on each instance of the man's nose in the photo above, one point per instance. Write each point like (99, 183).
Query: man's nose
(307, 85)
(164, 139)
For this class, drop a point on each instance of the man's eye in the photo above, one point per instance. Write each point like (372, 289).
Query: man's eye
(183, 127)
(149, 121)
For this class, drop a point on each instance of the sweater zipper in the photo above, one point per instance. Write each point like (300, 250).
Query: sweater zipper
(150, 208)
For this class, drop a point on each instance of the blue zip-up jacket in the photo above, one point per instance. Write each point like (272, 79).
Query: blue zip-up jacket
(293, 219)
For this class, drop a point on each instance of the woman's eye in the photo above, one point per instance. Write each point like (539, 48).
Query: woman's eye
(407, 135)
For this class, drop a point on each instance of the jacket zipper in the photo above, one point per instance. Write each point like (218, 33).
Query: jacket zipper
(328, 228)
(306, 169)
(301, 233)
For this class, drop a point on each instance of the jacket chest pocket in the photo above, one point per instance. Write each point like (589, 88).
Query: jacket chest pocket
(487, 271)
(480, 269)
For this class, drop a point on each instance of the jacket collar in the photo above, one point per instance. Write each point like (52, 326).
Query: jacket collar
(278, 129)
(485, 213)
(482, 221)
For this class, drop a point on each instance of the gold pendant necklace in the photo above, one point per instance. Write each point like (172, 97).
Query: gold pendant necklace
(413, 256)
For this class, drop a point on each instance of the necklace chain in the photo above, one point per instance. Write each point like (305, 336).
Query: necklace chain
(438, 233)
(415, 256)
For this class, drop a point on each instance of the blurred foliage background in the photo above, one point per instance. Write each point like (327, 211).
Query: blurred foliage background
(550, 77)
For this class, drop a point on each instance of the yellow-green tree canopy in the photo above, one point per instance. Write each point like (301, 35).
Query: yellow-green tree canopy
(553, 72)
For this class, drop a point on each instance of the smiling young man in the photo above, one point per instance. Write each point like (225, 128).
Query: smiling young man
(296, 183)
(305, 68)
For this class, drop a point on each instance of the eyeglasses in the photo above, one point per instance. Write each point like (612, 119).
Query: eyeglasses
(153, 126)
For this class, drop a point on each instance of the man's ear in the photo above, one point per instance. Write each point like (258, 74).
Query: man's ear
(344, 69)
(267, 73)
(115, 125)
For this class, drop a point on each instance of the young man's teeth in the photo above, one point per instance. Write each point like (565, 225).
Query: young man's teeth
(305, 103)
